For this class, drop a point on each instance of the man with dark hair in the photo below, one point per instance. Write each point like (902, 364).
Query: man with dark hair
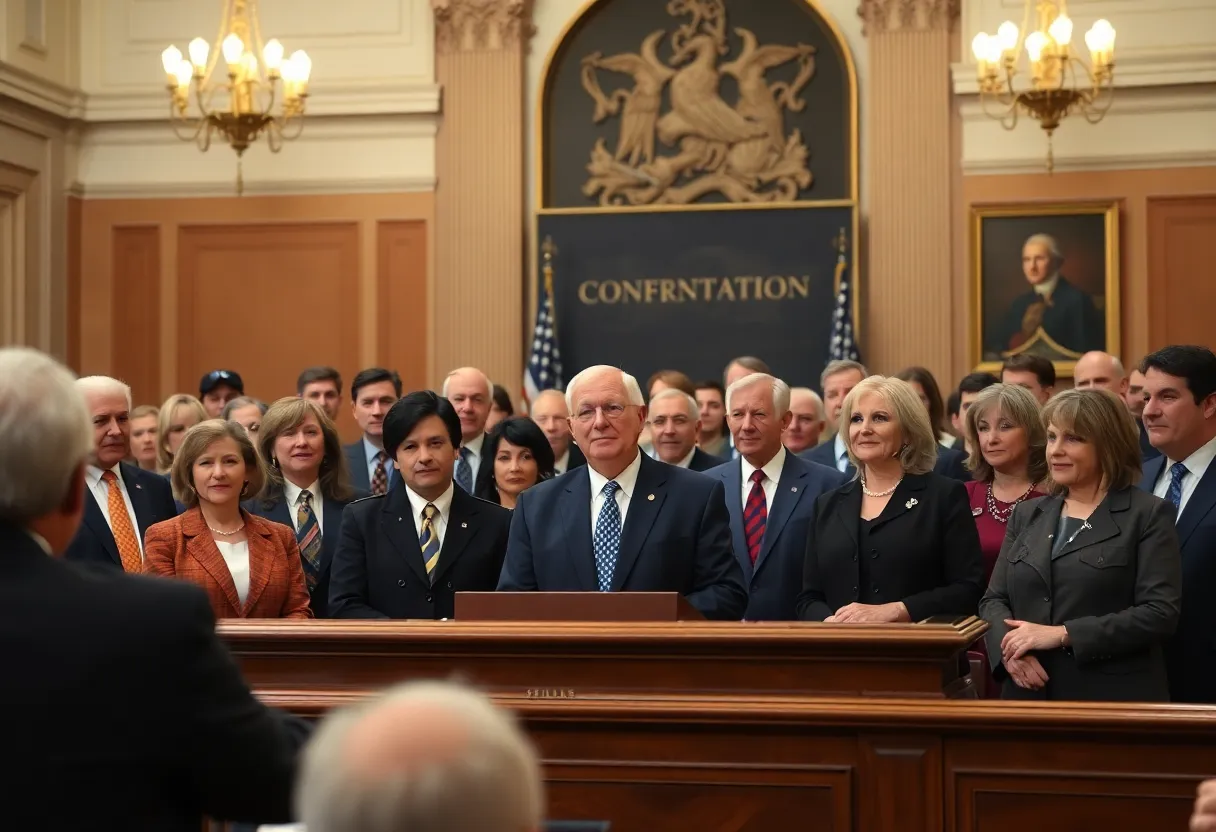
(1035, 373)
(217, 388)
(372, 393)
(742, 366)
(386, 567)
(953, 403)
(1180, 417)
(968, 389)
(323, 386)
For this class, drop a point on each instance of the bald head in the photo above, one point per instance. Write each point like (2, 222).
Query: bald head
(1100, 369)
(471, 392)
(808, 422)
(551, 415)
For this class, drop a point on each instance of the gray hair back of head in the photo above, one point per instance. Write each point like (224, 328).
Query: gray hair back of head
(781, 391)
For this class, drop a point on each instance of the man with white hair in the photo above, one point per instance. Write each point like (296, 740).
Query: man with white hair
(771, 496)
(624, 522)
(551, 416)
(471, 392)
(675, 424)
(424, 757)
(127, 712)
(1053, 307)
(123, 500)
(807, 422)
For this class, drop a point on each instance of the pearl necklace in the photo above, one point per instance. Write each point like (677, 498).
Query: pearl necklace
(237, 530)
(886, 493)
(1002, 517)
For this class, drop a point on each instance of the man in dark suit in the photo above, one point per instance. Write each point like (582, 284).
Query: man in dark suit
(470, 391)
(1135, 404)
(675, 424)
(128, 712)
(1180, 415)
(550, 413)
(372, 393)
(771, 495)
(407, 554)
(624, 522)
(123, 501)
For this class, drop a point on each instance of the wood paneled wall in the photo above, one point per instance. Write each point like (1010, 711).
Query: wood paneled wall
(172, 288)
(1181, 269)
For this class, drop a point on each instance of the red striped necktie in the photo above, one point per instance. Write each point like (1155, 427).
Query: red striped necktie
(755, 516)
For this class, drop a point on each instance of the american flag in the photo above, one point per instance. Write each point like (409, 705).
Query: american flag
(844, 344)
(544, 369)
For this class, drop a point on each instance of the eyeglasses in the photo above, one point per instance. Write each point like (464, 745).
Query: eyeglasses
(612, 411)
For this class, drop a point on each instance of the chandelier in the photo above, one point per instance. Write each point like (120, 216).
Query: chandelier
(1060, 82)
(239, 105)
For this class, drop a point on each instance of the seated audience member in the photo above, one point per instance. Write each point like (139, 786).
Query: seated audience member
(307, 487)
(770, 494)
(1087, 587)
(742, 366)
(178, 414)
(898, 543)
(407, 554)
(518, 455)
(249, 567)
(143, 436)
(372, 392)
(323, 387)
(624, 522)
(171, 732)
(674, 427)
(422, 756)
(1180, 414)
(470, 392)
(930, 396)
(836, 380)
(807, 423)
(968, 389)
(247, 413)
(1008, 462)
(501, 406)
(217, 388)
(122, 500)
(715, 435)
(550, 413)
(1035, 373)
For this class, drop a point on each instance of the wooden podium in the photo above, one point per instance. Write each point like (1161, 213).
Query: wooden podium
(574, 606)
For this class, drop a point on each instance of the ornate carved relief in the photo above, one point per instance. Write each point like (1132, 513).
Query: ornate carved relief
(471, 25)
(895, 15)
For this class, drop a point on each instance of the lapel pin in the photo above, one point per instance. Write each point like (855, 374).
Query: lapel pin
(399, 519)
(138, 487)
(976, 512)
(910, 503)
(650, 497)
(794, 488)
(464, 525)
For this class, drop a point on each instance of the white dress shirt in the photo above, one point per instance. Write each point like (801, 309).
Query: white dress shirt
(1196, 466)
(474, 446)
(101, 493)
(686, 461)
(772, 476)
(563, 462)
(443, 509)
(369, 453)
(841, 454)
(236, 556)
(627, 480)
(291, 495)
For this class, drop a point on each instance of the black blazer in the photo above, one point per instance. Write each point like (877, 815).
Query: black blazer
(676, 538)
(127, 710)
(1117, 588)
(702, 461)
(1191, 654)
(378, 571)
(152, 499)
(277, 510)
(950, 463)
(923, 550)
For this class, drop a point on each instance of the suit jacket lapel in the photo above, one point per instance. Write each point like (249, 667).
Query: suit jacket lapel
(790, 489)
(139, 498)
(1100, 526)
(907, 497)
(732, 479)
(261, 558)
(96, 521)
(332, 515)
(1038, 536)
(644, 505)
(576, 524)
(1151, 473)
(461, 528)
(1199, 506)
(850, 510)
(397, 524)
(203, 549)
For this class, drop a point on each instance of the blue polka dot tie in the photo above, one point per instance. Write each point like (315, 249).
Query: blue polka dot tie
(1174, 495)
(607, 538)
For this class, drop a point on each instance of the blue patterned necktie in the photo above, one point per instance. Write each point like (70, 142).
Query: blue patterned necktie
(428, 541)
(308, 536)
(464, 471)
(1174, 495)
(607, 538)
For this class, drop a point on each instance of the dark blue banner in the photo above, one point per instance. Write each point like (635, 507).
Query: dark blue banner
(689, 290)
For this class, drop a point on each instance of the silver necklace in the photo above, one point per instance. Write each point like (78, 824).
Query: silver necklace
(237, 530)
(886, 493)
(1000, 516)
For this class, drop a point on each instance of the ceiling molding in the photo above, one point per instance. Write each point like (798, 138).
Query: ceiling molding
(1119, 162)
(38, 92)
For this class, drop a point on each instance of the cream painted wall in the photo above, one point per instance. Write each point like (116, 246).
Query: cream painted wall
(40, 38)
(1164, 111)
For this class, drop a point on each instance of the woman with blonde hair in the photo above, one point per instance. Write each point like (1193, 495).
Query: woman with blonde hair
(249, 567)
(1088, 585)
(897, 543)
(307, 486)
(178, 414)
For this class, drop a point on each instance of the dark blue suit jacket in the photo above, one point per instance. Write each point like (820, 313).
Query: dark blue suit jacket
(1191, 655)
(702, 461)
(277, 511)
(950, 462)
(773, 585)
(356, 460)
(676, 538)
(152, 499)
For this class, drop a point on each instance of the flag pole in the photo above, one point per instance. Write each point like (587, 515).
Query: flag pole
(549, 251)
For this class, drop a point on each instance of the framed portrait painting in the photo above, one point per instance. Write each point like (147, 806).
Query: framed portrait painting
(1045, 282)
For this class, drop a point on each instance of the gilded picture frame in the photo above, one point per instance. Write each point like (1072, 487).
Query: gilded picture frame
(1045, 280)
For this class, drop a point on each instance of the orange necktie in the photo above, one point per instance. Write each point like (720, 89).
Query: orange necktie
(120, 525)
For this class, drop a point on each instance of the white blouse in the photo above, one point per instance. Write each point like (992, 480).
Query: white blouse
(236, 555)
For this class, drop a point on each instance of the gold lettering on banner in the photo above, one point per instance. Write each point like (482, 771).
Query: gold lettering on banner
(550, 693)
(740, 151)
(647, 291)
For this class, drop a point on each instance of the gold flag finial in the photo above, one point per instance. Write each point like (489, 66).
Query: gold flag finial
(548, 249)
(841, 242)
